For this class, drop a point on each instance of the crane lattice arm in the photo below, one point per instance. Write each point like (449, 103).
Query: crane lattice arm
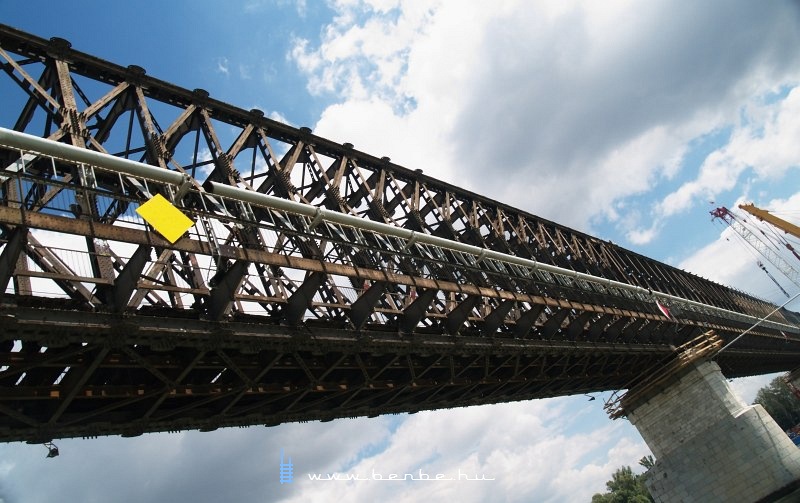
(760, 246)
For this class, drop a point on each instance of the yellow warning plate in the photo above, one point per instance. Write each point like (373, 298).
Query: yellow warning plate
(165, 218)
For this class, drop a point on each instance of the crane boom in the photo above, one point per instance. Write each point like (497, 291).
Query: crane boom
(760, 246)
(768, 217)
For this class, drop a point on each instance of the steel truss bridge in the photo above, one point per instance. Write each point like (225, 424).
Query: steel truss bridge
(317, 282)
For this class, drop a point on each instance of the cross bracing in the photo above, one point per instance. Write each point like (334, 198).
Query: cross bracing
(261, 314)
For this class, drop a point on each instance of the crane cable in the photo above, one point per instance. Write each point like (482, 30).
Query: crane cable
(761, 265)
(781, 239)
(776, 241)
(744, 243)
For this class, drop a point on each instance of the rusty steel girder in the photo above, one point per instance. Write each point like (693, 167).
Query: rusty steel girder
(260, 316)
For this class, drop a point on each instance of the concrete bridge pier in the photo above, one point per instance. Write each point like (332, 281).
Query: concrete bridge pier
(709, 445)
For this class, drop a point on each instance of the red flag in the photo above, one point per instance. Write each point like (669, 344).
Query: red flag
(664, 310)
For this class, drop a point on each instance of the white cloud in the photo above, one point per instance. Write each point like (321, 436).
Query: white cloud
(528, 448)
(642, 236)
(765, 143)
(302, 7)
(361, 60)
(723, 261)
(277, 116)
(223, 66)
(553, 450)
(5, 468)
(402, 138)
(578, 102)
(747, 387)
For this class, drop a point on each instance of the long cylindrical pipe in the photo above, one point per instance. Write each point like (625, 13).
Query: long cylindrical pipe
(24, 141)
(267, 201)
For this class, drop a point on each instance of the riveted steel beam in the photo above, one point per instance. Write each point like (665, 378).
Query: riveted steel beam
(364, 306)
(459, 315)
(363, 271)
(226, 284)
(117, 295)
(302, 298)
(416, 310)
(10, 255)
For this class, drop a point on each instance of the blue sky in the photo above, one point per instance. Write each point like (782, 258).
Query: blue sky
(617, 118)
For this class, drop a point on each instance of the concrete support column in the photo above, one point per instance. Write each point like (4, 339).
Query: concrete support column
(709, 445)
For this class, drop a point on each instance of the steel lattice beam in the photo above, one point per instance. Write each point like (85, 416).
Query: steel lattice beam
(262, 315)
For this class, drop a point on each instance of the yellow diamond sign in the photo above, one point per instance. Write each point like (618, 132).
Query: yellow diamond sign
(168, 220)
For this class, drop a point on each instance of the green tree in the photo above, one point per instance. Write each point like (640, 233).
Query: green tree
(780, 402)
(648, 461)
(626, 487)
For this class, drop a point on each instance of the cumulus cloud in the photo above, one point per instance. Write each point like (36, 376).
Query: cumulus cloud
(182, 466)
(528, 449)
(765, 143)
(587, 102)
(542, 450)
(277, 116)
(553, 450)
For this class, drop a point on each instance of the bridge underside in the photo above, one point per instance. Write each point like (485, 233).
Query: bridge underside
(73, 375)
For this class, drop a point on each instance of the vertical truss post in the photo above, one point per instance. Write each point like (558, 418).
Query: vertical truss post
(494, 320)
(364, 306)
(302, 298)
(116, 296)
(459, 315)
(527, 320)
(226, 286)
(10, 256)
(416, 311)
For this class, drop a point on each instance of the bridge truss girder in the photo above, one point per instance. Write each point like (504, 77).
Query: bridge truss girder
(262, 316)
